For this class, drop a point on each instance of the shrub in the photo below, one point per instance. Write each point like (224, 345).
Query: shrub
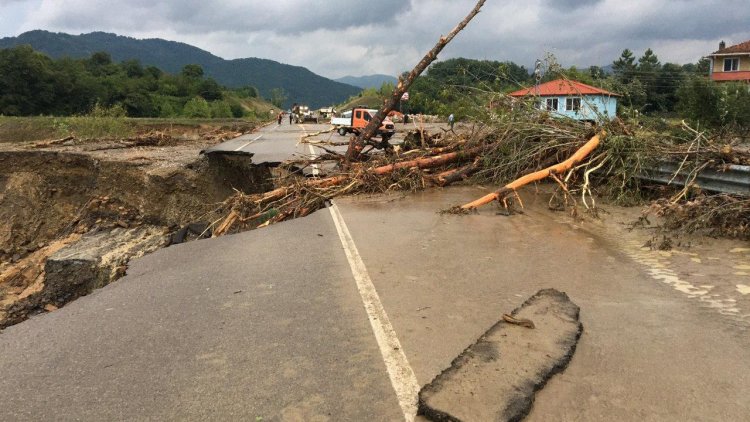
(237, 110)
(197, 108)
(220, 110)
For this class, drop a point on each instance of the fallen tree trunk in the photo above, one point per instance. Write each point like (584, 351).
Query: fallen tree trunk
(356, 145)
(456, 175)
(559, 168)
(430, 162)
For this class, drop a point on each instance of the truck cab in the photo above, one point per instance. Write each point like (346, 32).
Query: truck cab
(358, 118)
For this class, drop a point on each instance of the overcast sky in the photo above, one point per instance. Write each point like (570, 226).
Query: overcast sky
(335, 38)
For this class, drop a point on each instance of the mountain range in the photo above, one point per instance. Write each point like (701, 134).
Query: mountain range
(300, 85)
(368, 81)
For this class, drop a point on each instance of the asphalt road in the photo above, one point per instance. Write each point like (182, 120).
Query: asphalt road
(273, 143)
(335, 316)
(263, 325)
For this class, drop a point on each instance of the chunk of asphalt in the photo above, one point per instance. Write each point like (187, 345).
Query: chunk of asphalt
(96, 260)
(495, 379)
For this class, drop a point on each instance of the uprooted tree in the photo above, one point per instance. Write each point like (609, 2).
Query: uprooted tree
(357, 144)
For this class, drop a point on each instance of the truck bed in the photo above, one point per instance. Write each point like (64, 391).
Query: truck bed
(341, 121)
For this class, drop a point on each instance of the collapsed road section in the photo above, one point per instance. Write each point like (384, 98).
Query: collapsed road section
(72, 215)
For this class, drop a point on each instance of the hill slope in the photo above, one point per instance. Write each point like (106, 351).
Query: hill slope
(367, 81)
(299, 84)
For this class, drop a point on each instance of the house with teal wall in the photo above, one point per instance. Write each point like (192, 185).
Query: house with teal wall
(572, 99)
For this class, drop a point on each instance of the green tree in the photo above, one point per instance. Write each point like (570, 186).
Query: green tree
(133, 68)
(648, 72)
(210, 90)
(247, 92)
(197, 108)
(100, 64)
(139, 104)
(667, 83)
(154, 72)
(624, 67)
(192, 71)
(649, 62)
(26, 82)
(702, 67)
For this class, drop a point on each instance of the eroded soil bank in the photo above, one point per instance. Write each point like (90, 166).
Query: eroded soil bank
(93, 205)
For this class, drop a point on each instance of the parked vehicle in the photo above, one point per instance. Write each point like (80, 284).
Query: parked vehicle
(356, 120)
(302, 114)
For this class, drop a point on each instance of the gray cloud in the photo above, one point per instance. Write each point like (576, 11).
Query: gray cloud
(198, 16)
(339, 37)
(568, 5)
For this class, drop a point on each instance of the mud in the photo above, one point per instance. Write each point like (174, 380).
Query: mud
(51, 195)
(496, 377)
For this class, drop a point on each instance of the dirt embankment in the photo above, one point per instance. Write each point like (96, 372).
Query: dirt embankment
(79, 199)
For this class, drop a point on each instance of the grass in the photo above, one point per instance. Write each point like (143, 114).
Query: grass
(29, 129)
(24, 129)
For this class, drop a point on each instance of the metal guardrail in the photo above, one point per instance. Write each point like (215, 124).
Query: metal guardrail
(734, 179)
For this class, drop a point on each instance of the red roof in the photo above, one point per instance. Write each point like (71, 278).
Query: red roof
(735, 49)
(561, 87)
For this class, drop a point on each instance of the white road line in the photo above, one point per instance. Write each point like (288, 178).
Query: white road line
(243, 146)
(315, 168)
(401, 374)
(248, 143)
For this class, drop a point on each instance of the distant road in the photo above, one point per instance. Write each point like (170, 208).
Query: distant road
(272, 144)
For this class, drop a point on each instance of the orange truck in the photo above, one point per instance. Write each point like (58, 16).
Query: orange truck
(355, 120)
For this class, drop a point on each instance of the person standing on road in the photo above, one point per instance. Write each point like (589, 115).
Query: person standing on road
(451, 120)
(281, 114)
(290, 119)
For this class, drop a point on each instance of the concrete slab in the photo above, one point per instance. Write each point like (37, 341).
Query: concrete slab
(495, 378)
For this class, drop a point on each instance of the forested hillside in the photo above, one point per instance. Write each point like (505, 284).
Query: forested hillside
(292, 83)
(32, 84)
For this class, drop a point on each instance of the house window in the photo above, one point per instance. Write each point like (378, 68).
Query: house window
(732, 65)
(572, 104)
(552, 104)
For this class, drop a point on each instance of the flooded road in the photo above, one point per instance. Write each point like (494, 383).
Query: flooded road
(650, 348)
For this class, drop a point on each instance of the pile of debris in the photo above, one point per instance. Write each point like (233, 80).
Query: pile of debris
(511, 147)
